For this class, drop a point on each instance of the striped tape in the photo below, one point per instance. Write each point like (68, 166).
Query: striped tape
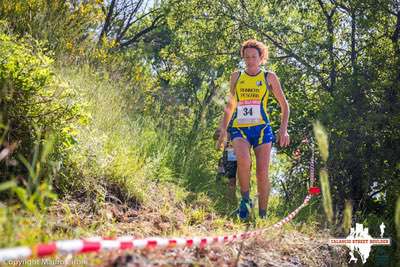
(98, 244)
(312, 167)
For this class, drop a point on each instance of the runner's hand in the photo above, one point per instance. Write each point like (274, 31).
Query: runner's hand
(221, 139)
(283, 138)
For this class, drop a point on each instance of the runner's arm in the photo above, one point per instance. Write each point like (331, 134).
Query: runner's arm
(285, 111)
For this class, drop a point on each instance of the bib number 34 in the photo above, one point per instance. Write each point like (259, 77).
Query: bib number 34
(249, 113)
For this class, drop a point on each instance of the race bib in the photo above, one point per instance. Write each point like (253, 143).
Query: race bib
(230, 154)
(248, 112)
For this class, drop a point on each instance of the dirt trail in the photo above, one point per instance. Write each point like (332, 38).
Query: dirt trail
(288, 249)
(284, 247)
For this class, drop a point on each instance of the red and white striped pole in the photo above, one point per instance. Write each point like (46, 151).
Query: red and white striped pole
(313, 190)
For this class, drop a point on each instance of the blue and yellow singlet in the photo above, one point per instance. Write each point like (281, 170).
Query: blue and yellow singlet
(252, 96)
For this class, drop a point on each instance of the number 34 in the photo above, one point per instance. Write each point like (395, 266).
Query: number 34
(247, 111)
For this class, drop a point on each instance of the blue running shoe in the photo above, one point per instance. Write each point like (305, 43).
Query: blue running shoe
(262, 213)
(264, 217)
(244, 209)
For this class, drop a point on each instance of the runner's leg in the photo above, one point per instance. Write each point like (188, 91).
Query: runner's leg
(242, 151)
(262, 167)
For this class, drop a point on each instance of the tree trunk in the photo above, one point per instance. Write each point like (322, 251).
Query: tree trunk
(107, 22)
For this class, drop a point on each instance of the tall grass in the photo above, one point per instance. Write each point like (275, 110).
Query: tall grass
(347, 217)
(321, 137)
(114, 148)
(326, 195)
(322, 140)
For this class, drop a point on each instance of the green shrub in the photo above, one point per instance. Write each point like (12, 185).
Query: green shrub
(35, 106)
(118, 152)
(64, 26)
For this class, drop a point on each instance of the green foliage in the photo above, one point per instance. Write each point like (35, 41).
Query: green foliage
(37, 109)
(38, 200)
(149, 112)
(35, 193)
(32, 97)
(64, 26)
(37, 189)
(118, 151)
(397, 218)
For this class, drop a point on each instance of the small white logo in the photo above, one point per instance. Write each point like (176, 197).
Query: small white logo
(259, 83)
(359, 240)
(382, 226)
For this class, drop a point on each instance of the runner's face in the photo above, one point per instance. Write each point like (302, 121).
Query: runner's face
(251, 57)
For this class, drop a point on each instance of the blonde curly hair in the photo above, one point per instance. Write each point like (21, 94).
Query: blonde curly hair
(261, 48)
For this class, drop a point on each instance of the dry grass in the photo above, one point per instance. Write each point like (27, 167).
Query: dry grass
(326, 195)
(322, 140)
(295, 245)
(278, 248)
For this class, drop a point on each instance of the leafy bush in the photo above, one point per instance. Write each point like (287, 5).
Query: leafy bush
(64, 26)
(119, 152)
(35, 105)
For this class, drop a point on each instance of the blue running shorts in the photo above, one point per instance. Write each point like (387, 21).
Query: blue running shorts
(255, 135)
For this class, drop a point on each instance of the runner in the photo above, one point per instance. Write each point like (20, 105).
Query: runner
(247, 106)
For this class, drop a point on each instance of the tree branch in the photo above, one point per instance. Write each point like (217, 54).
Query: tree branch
(138, 35)
(107, 22)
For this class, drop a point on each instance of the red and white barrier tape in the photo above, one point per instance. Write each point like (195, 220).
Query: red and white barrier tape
(312, 167)
(98, 244)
